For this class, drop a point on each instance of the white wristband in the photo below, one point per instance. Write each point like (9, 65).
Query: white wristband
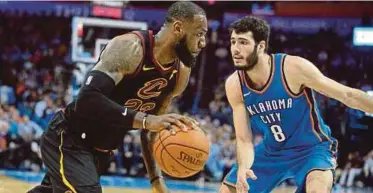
(144, 121)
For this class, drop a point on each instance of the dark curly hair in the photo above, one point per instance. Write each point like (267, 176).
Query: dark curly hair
(259, 27)
(183, 10)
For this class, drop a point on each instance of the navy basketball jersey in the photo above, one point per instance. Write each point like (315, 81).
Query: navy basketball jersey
(286, 120)
(145, 90)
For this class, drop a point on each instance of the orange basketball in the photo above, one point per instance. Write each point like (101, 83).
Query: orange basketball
(183, 154)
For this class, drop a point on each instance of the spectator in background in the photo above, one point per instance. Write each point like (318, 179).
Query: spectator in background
(29, 130)
(214, 165)
(127, 150)
(7, 95)
(138, 167)
(14, 120)
(4, 127)
(353, 118)
(26, 107)
(228, 152)
(40, 107)
(45, 109)
(368, 170)
(352, 169)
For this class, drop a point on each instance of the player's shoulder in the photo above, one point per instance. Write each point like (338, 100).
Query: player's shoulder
(130, 44)
(123, 53)
(233, 88)
(296, 64)
(295, 60)
(132, 39)
(184, 70)
(233, 79)
(183, 67)
(232, 83)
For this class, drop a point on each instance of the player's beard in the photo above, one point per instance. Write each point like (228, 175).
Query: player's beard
(184, 54)
(251, 60)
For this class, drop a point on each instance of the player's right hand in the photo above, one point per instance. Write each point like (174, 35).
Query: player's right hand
(242, 174)
(157, 123)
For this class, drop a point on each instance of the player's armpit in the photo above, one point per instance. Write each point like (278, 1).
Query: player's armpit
(233, 89)
(121, 57)
(310, 76)
(166, 103)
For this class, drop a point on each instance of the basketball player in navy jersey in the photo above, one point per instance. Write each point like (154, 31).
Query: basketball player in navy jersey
(134, 81)
(274, 93)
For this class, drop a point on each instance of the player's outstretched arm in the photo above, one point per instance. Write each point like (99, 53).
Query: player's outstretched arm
(245, 146)
(306, 74)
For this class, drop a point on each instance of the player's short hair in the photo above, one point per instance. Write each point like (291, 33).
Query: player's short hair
(259, 27)
(183, 10)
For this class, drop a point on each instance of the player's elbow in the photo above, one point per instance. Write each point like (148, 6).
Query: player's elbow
(353, 98)
(86, 103)
(347, 97)
(244, 141)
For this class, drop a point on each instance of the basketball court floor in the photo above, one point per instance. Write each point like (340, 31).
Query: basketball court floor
(11, 185)
(20, 182)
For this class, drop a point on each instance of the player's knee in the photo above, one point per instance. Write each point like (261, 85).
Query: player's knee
(319, 182)
(319, 189)
(226, 189)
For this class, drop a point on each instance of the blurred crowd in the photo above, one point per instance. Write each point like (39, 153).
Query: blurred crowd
(38, 78)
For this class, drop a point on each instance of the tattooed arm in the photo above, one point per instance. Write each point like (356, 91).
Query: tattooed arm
(120, 57)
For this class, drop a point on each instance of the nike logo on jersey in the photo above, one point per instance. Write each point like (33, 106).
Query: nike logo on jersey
(125, 112)
(172, 74)
(247, 94)
(89, 79)
(147, 68)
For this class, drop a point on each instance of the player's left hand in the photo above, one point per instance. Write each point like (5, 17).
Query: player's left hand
(241, 185)
(190, 122)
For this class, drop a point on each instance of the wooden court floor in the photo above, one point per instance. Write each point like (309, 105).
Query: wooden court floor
(10, 185)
